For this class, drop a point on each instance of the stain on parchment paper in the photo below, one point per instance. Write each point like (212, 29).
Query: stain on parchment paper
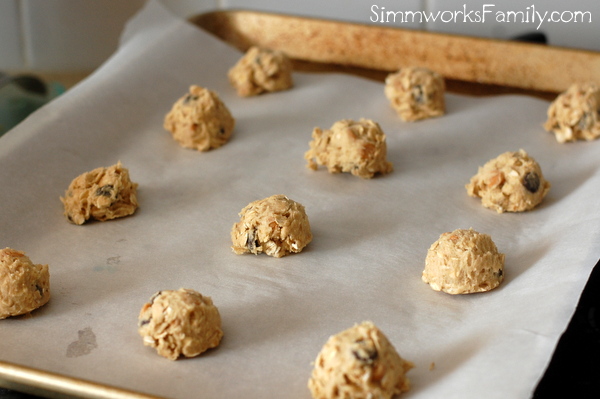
(84, 344)
(114, 260)
(110, 266)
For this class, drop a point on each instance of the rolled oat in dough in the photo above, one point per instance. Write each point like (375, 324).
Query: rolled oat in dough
(23, 285)
(261, 70)
(511, 182)
(180, 323)
(575, 114)
(102, 194)
(463, 262)
(349, 146)
(416, 93)
(276, 226)
(200, 120)
(359, 363)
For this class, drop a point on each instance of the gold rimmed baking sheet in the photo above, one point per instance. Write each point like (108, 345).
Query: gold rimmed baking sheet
(46, 384)
(526, 66)
(370, 236)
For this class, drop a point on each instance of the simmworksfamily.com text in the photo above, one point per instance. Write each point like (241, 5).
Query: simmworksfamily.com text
(487, 12)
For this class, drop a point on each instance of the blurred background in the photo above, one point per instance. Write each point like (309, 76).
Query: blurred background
(68, 36)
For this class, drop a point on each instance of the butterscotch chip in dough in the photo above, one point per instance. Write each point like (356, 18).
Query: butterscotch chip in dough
(359, 363)
(180, 323)
(24, 286)
(276, 226)
(511, 182)
(200, 120)
(102, 194)
(358, 147)
(416, 93)
(463, 262)
(575, 114)
(261, 70)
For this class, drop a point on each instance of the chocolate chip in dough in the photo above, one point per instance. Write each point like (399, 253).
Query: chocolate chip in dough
(531, 181)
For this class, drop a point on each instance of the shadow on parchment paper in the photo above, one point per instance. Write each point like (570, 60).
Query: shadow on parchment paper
(333, 232)
(457, 105)
(67, 292)
(267, 321)
(517, 264)
(182, 199)
(396, 155)
(565, 185)
(432, 370)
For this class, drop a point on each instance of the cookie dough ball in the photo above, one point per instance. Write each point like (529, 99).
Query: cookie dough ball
(512, 182)
(276, 226)
(575, 114)
(180, 323)
(199, 120)
(102, 194)
(416, 93)
(349, 146)
(463, 262)
(359, 363)
(260, 71)
(23, 285)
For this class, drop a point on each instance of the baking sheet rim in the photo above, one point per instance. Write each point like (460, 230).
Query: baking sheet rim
(38, 382)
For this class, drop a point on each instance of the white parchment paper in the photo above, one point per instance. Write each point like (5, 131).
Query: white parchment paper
(370, 236)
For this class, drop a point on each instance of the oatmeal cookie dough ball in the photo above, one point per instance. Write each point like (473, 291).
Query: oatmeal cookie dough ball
(512, 182)
(359, 363)
(180, 323)
(575, 114)
(261, 70)
(349, 146)
(463, 262)
(276, 226)
(23, 286)
(416, 93)
(200, 120)
(102, 194)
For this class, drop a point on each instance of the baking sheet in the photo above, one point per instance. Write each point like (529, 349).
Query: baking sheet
(370, 236)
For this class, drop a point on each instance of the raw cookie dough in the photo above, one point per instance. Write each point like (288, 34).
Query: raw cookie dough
(180, 323)
(349, 146)
(199, 120)
(260, 71)
(416, 93)
(575, 114)
(102, 194)
(359, 363)
(276, 225)
(23, 285)
(463, 262)
(512, 182)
